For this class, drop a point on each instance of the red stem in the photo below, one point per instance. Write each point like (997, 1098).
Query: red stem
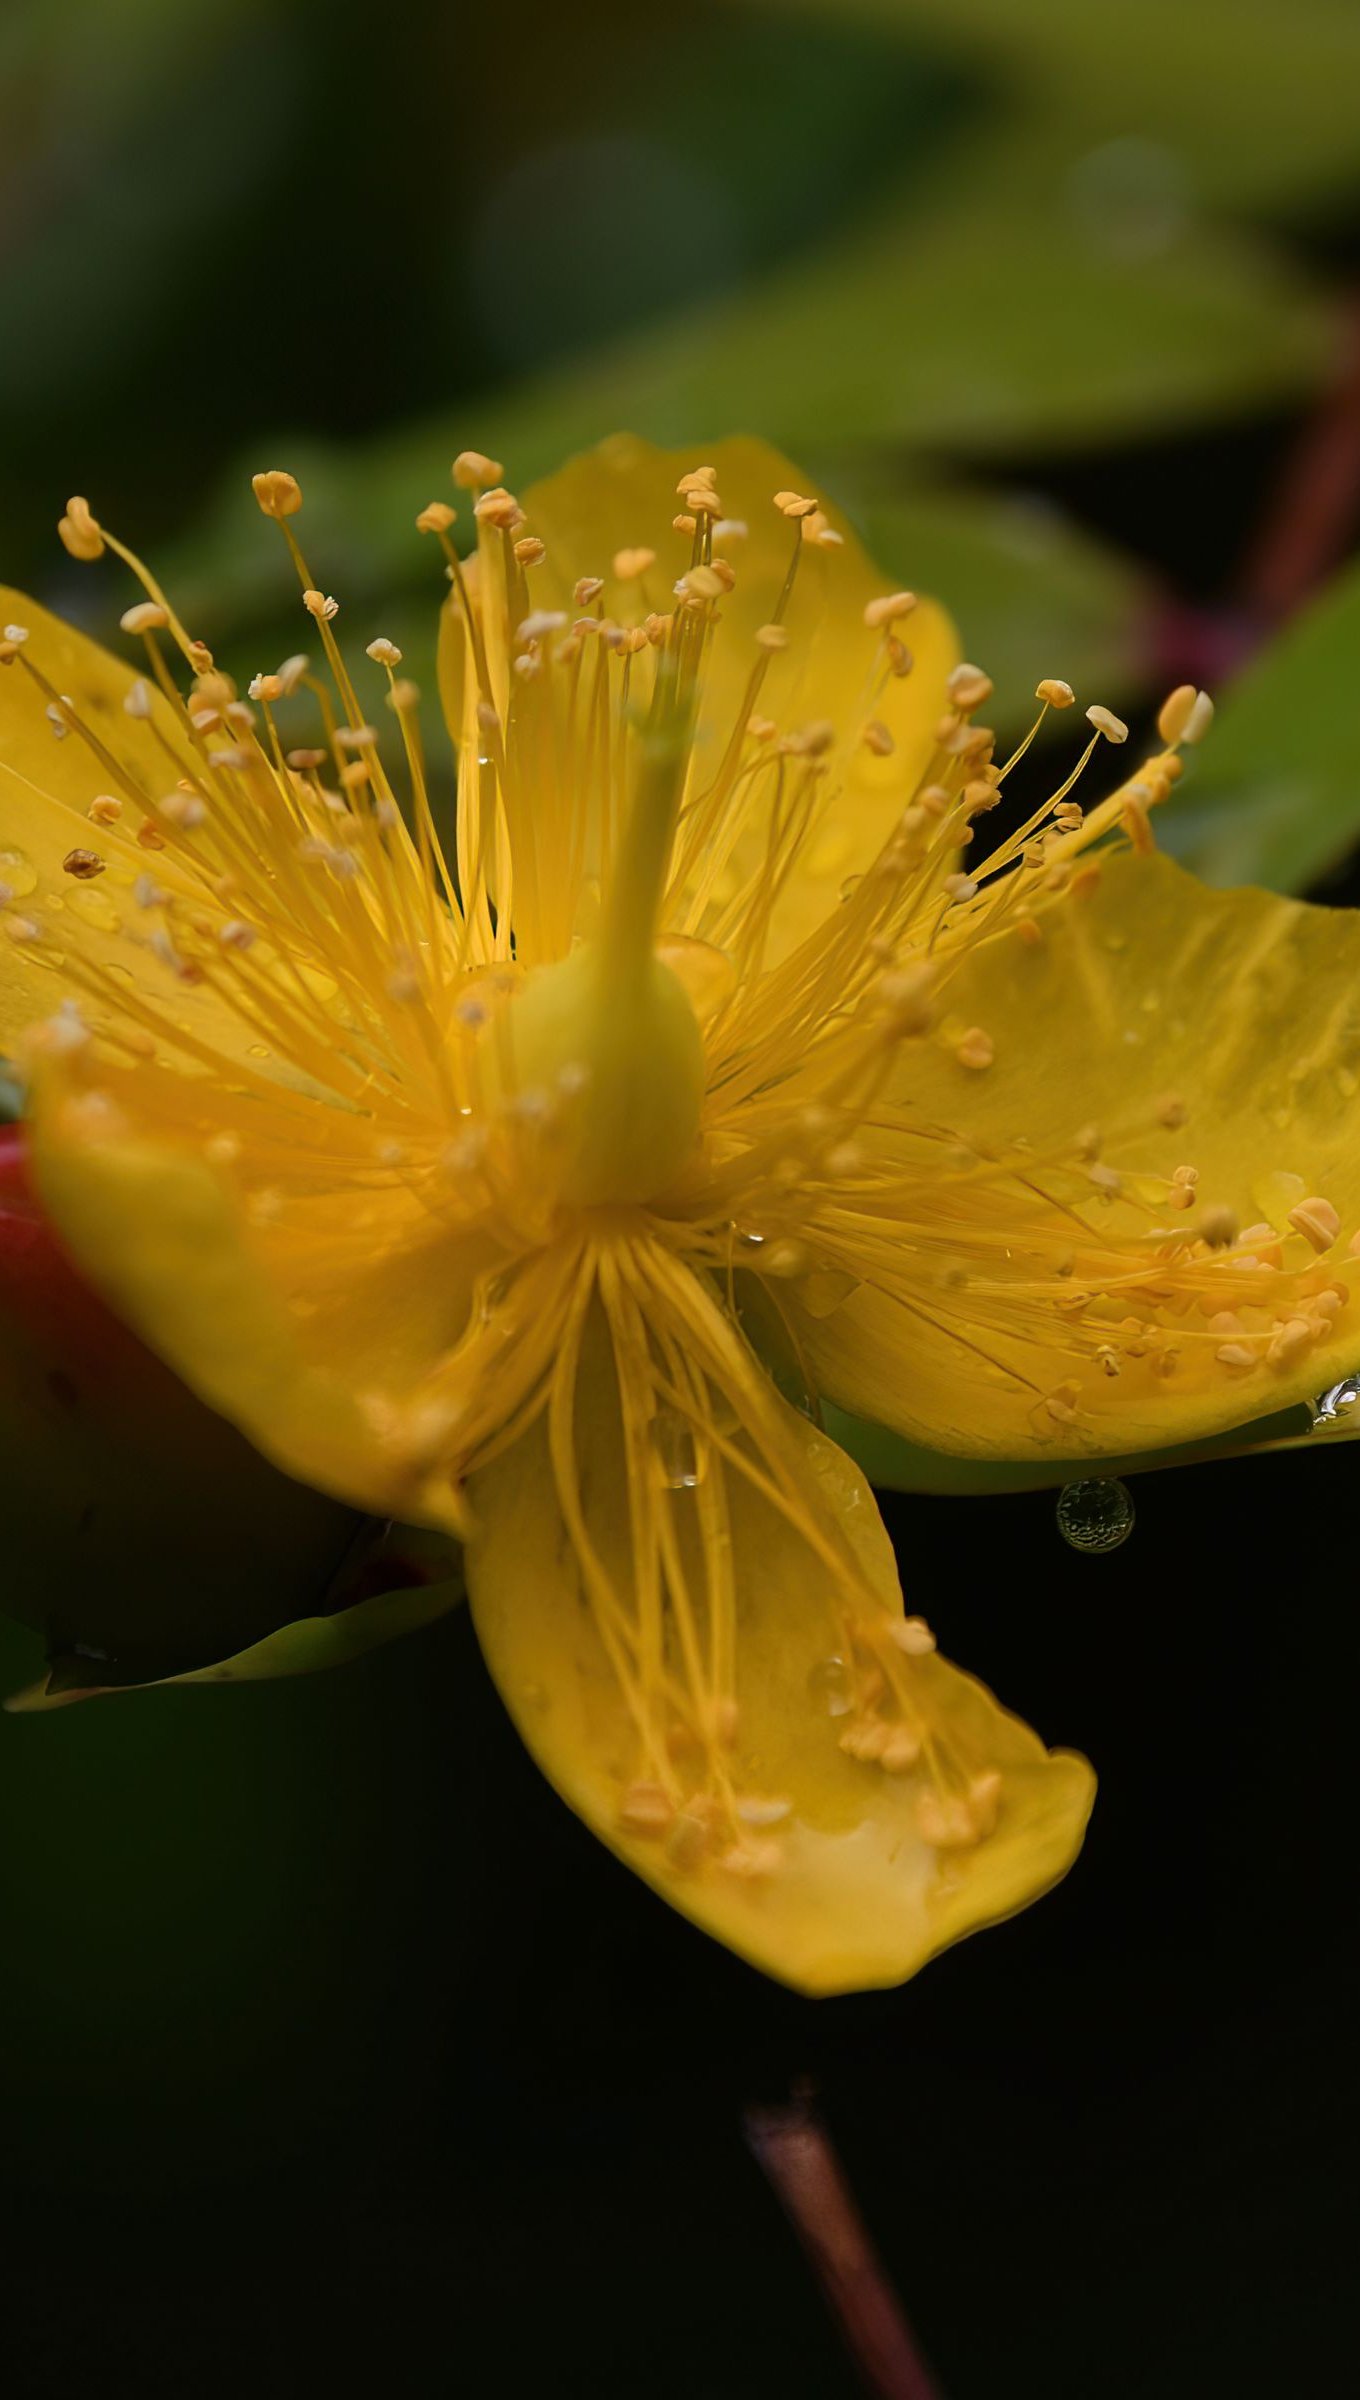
(796, 2153)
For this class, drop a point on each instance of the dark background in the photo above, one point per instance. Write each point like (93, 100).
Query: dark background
(333, 2051)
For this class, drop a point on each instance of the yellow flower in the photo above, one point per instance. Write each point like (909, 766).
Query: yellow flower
(516, 1181)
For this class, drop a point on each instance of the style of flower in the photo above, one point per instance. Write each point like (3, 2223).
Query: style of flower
(534, 1175)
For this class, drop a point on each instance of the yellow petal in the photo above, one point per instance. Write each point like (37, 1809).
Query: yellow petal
(612, 500)
(833, 1884)
(1155, 1025)
(54, 920)
(310, 1309)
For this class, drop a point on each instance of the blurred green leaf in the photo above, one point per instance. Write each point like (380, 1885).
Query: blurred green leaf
(958, 327)
(1252, 102)
(303, 1648)
(1274, 796)
(1031, 593)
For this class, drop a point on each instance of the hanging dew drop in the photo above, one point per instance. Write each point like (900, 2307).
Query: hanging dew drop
(832, 1687)
(1096, 1514)
(679, 1464)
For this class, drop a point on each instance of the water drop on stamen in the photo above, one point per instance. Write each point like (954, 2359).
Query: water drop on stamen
(1333, 1406)
(679, 1462)
(832, 1687)
(1096, 1514)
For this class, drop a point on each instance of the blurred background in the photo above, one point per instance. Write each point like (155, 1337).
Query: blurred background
(331, 2048)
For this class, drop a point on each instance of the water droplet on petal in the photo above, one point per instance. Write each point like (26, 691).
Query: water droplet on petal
(1096, 1514)
(679, 1459)
(1275, 1195)
(1334, 1405)
(832, 1687)
(17, 873)
(95, 908)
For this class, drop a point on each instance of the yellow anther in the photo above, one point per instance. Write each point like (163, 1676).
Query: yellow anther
(819, 530)
(383, 653)
(473, 470)
(279, 494)
(905, 993)
(968, 687)
(499, 508)
(1289, 1342)
(900, 659)
(1218, 1227)
(1105, 721)
(145, 616)
(436, 517)
(682, 524)
(772, 637)
(79, 531)
(587, 589)
(900, 1752)
(975, 1049)
(1198, 722)
(887, 609)
(1235, 1355)
(1175, 712)
(104, 809)
(530, 551)
(1054, 692)
(1133, 816)
(1317, 1221)
(912, 1635)
(876, 738)
(646, 1808)
(319, 605)
(701, 583)
(794, 504)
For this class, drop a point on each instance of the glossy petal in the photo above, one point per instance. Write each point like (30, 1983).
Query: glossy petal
(858, 1897)
(622, 496)
(308, 1310)
(1234, 1014)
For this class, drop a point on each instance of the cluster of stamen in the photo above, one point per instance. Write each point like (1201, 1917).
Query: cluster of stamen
(373, 958)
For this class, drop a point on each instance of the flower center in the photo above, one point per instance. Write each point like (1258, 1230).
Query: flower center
(618, 1040)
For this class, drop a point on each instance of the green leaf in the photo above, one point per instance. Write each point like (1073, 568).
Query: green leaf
(954, 329)
(1250, 104)
(1031, 593)
(1274, 796)
(303, 1648)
